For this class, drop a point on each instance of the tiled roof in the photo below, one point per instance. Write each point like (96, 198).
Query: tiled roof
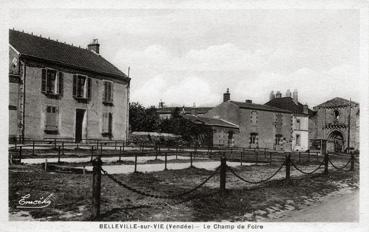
(211, 121)
(35, 47)
(169, 110)
(245, 105)
(337, 101)
(287, 103)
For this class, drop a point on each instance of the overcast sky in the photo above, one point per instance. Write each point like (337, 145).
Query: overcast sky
(192, 56)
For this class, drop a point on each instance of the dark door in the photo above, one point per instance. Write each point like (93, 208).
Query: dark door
(79, 120)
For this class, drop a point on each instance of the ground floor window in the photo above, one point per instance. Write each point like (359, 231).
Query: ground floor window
(278, 139)
(253, 138)
(107, 124)
(298, 140)
(51, 124)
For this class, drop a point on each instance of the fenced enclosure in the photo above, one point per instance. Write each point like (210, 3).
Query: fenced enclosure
(105, 160)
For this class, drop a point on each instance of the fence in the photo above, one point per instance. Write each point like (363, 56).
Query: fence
(222, 169)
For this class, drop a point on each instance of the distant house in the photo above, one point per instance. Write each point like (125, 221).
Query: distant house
(221, 132)
(300, 117)
(260, 126)
(167, 112)
(338, 121)
(59, 90)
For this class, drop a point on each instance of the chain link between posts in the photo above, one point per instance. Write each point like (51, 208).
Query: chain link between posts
(255, 182)
(340, 168)
(304, 172)
(176, 196)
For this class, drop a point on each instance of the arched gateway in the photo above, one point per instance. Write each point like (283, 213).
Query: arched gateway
(336, 141)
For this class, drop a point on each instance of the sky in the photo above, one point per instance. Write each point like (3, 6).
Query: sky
(191, 56)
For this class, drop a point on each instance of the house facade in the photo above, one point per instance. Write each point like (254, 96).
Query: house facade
(63, 91)
(300, 117)
(337, 121)
(260, 126)
(221, 132)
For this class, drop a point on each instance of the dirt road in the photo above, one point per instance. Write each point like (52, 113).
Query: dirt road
(343, 207)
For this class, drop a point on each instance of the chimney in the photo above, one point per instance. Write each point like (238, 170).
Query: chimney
(278, 94)
(249, 101)
(305, 109)
(226, 96)
(94, 46)
(295, 97)
(161, 104)
(288, 93)
(271, 95)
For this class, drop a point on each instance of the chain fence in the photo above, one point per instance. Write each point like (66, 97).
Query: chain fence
(176, 196)
(305, 172)
(255, 182)
(339, 168)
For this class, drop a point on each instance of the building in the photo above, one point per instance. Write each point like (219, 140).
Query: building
(167, 112)
(59, 90)
(221, 132)
(260, 126)
(338, 121)
(300, 117)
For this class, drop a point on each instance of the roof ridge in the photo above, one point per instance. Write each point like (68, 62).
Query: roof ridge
(50, 39)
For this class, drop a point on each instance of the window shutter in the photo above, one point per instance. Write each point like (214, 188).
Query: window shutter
(110, 125)
(104, 123)
(111, 91)
(61, 83)
(74, 85)
(88, 88)
(43, 81)
(105, 91)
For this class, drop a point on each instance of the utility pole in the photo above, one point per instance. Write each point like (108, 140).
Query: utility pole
(349, 128)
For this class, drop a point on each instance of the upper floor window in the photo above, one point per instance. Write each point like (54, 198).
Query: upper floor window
(52, 82)
(254, 117)
(81, 87)
(51, 124)
(108, 92)
(278, 121)
(336, 115)
(298, 124)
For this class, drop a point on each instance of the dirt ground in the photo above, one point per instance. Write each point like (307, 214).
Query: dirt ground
(242, 202)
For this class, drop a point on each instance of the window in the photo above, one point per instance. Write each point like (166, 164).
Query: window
(107, 124)
(253, 138)
(336, 115)
(108, 92)
(298, 124)
(278, 139)
(51, 119)
(298, 140)
(278, 120)
(81, 87)
(254, 117)
(52, 82)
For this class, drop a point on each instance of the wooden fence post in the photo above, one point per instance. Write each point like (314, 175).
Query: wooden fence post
(299, 157)
(309, 156)
(96, 188)
(257, 157)
(45, 165)
(241, 158)
(288, 168)
(120, 154)
(33, 147)
(191, 159)
(55, 143)
(58, 154)
(63, 148)
(223, 170)
(326, 158)
(92, 153)
(20, 154)
(135, 162)
(165, 162)
(352, 168)
(270, 158)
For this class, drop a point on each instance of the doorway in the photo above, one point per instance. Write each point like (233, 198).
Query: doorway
(80, 113)
(336, 138)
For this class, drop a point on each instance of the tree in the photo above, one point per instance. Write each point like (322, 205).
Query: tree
(142, 119)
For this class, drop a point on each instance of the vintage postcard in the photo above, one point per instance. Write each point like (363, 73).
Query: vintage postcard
(185, 116)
